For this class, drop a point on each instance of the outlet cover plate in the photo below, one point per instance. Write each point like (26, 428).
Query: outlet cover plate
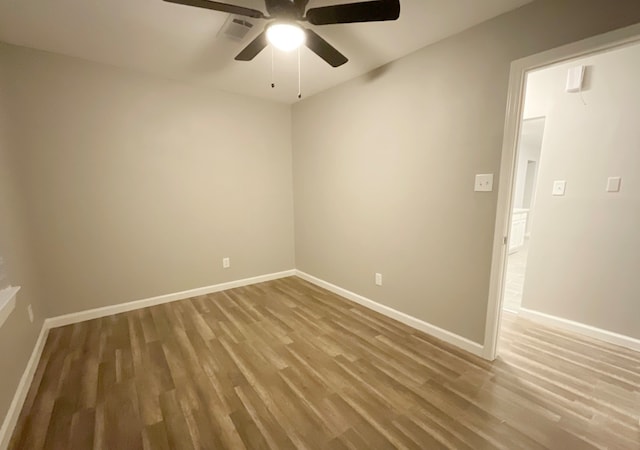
(484, 182)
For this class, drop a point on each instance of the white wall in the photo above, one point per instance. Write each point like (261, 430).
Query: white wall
(538, 101)
(584, 252)
(137, 186)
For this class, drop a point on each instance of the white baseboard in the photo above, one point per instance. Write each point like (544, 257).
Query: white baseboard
(444, 335)
(577, 327)
(512, 311)
(11, 419)
(68, 319)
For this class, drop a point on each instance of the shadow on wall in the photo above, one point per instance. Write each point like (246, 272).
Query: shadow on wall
(377, 73)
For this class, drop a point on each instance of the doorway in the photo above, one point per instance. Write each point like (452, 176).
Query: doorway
(522, 191)
(528, 159)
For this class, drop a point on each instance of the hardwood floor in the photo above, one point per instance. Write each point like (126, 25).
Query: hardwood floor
(285, 364)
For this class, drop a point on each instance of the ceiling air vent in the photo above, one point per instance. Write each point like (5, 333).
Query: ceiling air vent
(235, 28)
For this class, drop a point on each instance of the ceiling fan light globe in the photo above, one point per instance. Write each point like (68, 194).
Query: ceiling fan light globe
(285, 36)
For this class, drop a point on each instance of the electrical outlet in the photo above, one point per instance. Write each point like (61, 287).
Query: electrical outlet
(484, 182)
(378, 279)
(226, 263)
(30, 311)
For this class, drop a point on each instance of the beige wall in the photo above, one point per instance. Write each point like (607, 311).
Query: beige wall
(137, 186)
(17, 334)
(384, 165)
(584, 252)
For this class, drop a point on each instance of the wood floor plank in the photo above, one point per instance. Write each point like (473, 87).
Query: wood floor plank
(82, 429)
(154, 437)
(288, 365)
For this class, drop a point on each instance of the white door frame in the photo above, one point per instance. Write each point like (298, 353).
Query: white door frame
(515, 103)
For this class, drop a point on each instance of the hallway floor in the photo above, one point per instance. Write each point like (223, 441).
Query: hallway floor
(516, 269)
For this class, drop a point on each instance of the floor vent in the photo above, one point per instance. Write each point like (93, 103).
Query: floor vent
(235, 28)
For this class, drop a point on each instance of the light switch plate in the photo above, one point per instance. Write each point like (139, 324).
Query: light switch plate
(484, 182)
(559, 186)
(613, 184)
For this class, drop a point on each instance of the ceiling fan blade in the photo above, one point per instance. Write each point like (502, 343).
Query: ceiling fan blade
(255, 47)
(218, 6)
(371, 11)
(324, 50)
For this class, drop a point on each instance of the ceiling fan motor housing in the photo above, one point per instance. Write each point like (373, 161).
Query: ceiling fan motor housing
(286, 9)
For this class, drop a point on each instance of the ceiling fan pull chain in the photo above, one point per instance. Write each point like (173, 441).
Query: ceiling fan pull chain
(273, 83)
(299, 76)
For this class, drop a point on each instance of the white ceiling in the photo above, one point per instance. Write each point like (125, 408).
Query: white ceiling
(180, 42)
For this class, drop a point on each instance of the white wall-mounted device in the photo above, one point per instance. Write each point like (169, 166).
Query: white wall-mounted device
(575, 79)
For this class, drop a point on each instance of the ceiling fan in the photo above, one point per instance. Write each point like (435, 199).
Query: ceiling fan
(284, 31)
